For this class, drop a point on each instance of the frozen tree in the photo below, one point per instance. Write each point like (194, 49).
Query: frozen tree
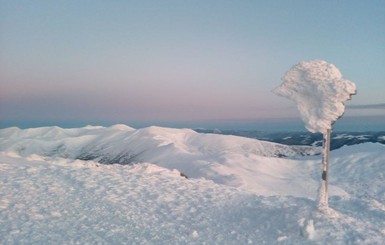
(319, 91)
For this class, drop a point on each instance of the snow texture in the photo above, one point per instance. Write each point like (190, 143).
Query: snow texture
(56, 199)
(222, 159)
(319, 91)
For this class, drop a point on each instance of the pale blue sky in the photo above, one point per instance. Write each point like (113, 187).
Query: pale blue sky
(130, 61)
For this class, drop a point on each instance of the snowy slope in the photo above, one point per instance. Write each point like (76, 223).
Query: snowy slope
(48, 197)
(78, 202)
(62, 201)
(227, 160)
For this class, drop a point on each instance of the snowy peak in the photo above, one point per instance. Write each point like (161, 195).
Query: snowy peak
(223, 159)
(122, 127)
(121, 138)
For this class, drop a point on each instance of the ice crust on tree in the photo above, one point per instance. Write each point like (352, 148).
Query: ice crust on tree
(319, 91)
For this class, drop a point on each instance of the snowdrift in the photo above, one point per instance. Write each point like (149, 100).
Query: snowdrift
(241, 191)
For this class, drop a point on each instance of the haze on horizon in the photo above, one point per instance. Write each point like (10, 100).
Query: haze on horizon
(131, 61)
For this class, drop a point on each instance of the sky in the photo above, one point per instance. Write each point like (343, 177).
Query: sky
(179, 61)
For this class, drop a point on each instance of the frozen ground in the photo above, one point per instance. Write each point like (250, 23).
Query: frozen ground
(56, 199)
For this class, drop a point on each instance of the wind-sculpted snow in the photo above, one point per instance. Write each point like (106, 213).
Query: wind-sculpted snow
(52, 200)
(223, 159)
(319, 91)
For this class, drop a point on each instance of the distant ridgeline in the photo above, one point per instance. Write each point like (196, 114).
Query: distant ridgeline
(339, 139)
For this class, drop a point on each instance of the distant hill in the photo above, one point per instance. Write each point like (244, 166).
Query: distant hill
(339, 139)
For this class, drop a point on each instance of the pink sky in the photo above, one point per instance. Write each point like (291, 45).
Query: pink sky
(179, 61)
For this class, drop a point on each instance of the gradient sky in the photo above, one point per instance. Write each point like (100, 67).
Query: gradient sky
(127, 61)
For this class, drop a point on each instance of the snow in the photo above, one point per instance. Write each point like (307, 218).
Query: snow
(49, 198)
(359, 137)
(319, 91)
(211, 156)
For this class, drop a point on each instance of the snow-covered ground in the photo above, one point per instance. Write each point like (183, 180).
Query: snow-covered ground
(239, 190)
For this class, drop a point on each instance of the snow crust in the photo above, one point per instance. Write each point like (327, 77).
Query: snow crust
(54, 199)
(319, 91)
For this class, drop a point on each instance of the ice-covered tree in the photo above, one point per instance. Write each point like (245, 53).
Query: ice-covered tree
(319, 91)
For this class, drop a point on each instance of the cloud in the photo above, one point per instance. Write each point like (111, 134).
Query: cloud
(380, 106)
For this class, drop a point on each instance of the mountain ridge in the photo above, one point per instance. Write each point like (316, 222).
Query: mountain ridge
(220, 158)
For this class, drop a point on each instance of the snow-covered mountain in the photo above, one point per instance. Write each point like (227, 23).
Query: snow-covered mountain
(223, 159)
(339, 138)
(239, 191)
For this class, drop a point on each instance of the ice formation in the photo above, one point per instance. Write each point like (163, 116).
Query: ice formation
(319, 91)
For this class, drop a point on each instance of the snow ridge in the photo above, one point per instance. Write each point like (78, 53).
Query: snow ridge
(216, 157)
